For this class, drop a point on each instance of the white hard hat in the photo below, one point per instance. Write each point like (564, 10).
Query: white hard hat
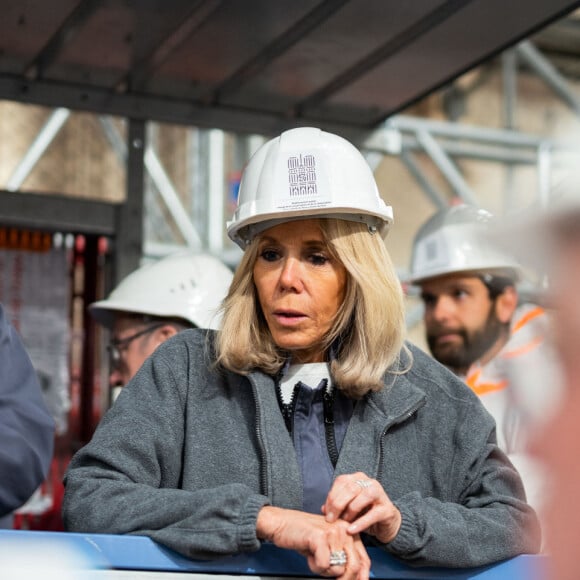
(303, 173)
(185, 285)
(451, 242)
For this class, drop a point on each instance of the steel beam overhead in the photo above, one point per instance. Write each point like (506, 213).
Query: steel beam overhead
(463, 131)
(281, 44)
(57, 213)
(161, 181)
(389, 49)
(41, 143)
(216, 216)
(548, 73)
(433, 194)
(141, 72)
(462, 150)
(446, 166)
(255, 66)
(509, 70)
(171, 198)
(61, 37)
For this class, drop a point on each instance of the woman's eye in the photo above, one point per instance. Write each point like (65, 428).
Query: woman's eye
(269, 255)
(318, 259)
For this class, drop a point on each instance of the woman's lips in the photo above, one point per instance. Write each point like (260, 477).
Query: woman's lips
(288, 317)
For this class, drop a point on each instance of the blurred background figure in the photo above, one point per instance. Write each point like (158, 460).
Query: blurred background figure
(50, 556)
(549, 241)
(477, 325)
(150, 305)
(26, 425)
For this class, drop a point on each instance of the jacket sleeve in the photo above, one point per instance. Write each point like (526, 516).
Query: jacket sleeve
(482, 515)
(26, 426)
(129, 479)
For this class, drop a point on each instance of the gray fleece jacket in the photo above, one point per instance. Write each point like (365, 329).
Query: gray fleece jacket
(188, 456)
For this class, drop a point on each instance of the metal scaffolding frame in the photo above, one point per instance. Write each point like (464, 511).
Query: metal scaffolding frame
(444, 143)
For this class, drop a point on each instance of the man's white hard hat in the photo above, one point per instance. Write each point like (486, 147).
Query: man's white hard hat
(451, 242)
(185, 285)
(302, 173)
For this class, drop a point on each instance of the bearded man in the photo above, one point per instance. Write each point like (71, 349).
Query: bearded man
(476, 326)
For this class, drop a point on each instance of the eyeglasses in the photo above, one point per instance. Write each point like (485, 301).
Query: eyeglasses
(117, 346)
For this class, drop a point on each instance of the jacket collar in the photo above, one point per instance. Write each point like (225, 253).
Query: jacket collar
(371, 419)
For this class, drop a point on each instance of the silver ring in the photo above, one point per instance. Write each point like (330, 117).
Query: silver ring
(362, 483)
(337, 558)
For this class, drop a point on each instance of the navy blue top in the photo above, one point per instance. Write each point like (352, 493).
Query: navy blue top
(312, 420)
(310, 441)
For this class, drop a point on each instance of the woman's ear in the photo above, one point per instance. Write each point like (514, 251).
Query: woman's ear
(506, 304)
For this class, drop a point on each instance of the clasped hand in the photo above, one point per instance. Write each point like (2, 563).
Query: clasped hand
(355, 504)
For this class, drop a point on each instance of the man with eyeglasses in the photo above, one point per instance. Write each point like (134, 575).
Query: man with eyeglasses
(155, 302)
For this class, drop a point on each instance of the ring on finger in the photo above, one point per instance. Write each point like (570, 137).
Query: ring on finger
(337, 557)
(362, 483)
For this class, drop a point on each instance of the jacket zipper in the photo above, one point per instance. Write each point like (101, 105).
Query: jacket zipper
(287, 409)
(328, 408)
(328, 398)
(263, 474)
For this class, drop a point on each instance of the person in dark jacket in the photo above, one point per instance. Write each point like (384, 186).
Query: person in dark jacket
(305, 420)
(26, 426)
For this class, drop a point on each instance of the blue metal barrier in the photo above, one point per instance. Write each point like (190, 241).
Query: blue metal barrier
(137, 553)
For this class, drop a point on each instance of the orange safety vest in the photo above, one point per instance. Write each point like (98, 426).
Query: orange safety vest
(525, 340)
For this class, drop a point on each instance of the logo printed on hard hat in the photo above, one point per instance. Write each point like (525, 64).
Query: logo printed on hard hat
(432, 253)
(431, 250)
(301, 182)
(302, 175)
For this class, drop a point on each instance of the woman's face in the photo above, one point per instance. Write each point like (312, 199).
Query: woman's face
(300, 287)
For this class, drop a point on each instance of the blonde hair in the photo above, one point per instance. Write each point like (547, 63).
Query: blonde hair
(369, 328)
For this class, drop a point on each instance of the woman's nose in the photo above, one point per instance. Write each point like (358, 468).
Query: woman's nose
(291, 275)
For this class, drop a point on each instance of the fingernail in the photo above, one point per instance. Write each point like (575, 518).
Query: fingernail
(329, 516)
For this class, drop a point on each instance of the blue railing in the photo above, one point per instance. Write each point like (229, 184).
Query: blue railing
(111, 552)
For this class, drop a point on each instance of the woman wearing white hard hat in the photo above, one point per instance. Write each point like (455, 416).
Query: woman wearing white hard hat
(304, 421)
